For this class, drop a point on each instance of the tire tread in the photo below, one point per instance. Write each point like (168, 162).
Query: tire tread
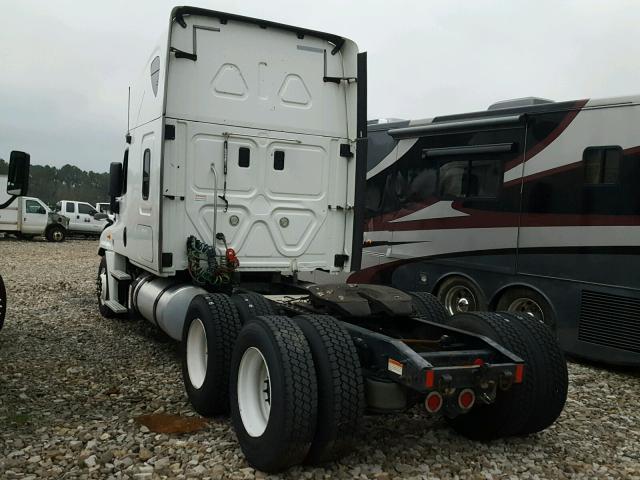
(429, 307)
(550, 392)
(300, 396)
(343, 403)
(226, 326)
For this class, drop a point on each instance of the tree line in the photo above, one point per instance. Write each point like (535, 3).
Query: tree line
(52, 184)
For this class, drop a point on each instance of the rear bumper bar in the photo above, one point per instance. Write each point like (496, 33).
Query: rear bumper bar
(480, 362)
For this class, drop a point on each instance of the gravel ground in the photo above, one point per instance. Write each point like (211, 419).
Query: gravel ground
(72, 384)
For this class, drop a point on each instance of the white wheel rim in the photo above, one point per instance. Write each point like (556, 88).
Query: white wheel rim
(57, 235)
(197, 353)
(254, 392)
(103, 288)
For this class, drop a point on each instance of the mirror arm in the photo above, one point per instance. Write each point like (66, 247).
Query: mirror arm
(8, 202)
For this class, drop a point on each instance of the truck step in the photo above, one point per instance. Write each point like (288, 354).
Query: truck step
(120, 275)
(115, 307)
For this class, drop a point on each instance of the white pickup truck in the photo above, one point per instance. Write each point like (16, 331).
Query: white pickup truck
(29, 217)
(105, 207)
(84, 219)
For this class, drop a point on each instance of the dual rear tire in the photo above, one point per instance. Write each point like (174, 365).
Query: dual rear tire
(293, 386)
(527, 407)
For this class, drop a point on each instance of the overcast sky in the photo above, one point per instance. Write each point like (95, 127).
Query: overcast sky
(65, 65)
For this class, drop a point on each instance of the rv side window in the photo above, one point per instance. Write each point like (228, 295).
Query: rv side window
(485, 179)
(146, 173)
(477, 178)
(125, 167)
(71, 208)
(451, 176)
(602, 165)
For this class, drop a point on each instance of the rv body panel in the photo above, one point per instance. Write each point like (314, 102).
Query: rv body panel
(563, 221)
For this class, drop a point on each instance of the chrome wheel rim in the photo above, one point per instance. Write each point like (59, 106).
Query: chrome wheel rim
(197, 353)
(527, 306)
(57, 235)
(254, 392)
(460, 299)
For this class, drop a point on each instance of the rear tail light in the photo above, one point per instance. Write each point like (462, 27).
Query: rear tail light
(429, 380)
(433, 402)
(466, 399)
(519, 373)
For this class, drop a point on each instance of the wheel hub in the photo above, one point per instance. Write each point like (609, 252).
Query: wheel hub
(197, 353)
(459, 299)
(527, 306)
(254, 392)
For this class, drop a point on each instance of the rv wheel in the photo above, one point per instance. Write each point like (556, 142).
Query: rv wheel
(340, 387)
(527, 302)
(3, 302)
(274, 396)
(210, 330)
(460, 295)
(429, 307)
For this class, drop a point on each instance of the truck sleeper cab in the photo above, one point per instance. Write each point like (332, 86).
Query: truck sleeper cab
(245, 166)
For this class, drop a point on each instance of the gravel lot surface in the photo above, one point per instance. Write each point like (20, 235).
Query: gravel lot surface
(72, 384)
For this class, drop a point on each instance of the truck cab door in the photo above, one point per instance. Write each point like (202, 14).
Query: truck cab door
(85, 216)
(34, 217)
(71, 212)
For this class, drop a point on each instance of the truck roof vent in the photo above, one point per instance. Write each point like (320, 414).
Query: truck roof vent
(379, 121)
(519, 102)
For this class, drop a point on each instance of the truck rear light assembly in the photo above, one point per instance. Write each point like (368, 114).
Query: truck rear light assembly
(519, 373)
(433, 402)
(430, 379)
(466, 399)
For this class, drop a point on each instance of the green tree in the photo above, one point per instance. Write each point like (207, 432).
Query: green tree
(51, 184)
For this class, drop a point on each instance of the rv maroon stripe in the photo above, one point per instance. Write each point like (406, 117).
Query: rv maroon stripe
(555, 133)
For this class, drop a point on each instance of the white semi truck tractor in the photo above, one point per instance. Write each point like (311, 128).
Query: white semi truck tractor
(244, 166)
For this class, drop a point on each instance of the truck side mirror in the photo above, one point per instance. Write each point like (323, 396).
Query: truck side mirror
(115, 185)
(115, 179)
(100, 216)
(18, 178)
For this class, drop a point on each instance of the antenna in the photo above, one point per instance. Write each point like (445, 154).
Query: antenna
(128, 135)
(128, 107)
